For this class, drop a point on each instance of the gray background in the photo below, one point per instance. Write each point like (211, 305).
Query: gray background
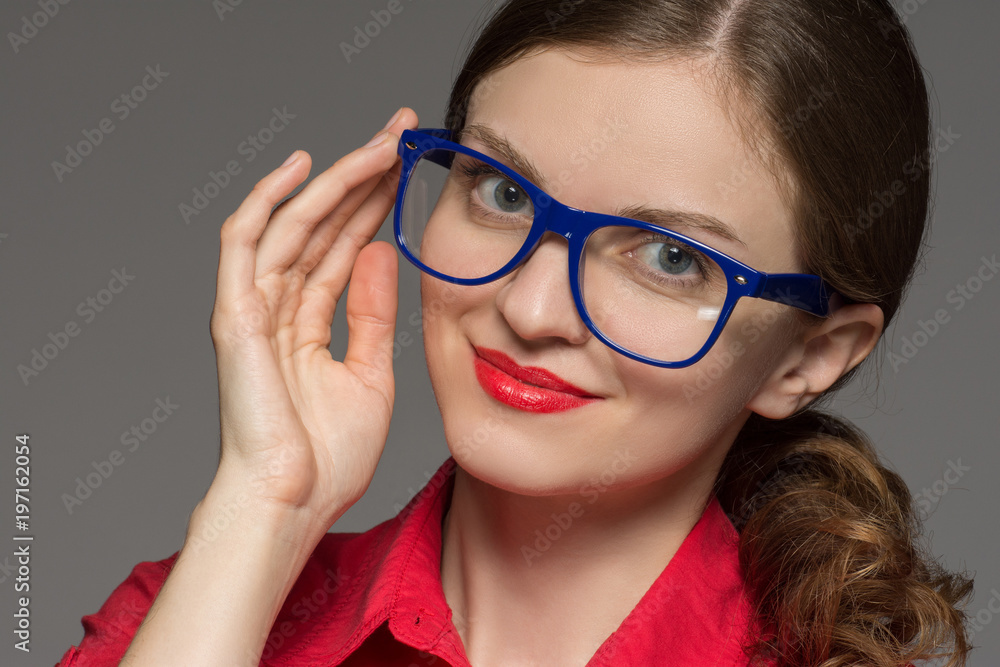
(119, 208)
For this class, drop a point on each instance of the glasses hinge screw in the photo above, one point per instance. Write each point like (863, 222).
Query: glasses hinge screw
(741, 280)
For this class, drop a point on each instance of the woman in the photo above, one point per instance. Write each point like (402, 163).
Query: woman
(638, 473)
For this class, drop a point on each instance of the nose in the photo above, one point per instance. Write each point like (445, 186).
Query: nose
(537, 300)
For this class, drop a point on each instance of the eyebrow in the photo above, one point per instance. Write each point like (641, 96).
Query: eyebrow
(502, 147)
(671, 219)
(687, 219)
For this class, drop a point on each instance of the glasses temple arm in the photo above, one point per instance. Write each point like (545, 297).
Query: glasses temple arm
(799, 290)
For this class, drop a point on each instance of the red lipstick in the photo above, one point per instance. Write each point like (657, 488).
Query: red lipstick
(528, 388)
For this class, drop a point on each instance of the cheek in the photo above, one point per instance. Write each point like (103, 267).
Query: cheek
(444, 305)
(717, 388)
(437, 306)
(675, 417)
(437, 300)
(744, 356)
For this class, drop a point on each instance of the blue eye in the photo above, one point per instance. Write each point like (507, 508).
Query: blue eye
(505, 195)
(667, 258)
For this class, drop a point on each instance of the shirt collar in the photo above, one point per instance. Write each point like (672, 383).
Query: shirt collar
(695, 613)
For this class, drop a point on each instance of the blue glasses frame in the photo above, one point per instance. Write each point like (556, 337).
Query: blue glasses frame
(800, 290)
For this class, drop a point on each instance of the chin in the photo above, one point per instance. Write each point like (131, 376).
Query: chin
(520, 452)
(512, 470)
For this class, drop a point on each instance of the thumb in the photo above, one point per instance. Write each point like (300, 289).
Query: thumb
(372, 298)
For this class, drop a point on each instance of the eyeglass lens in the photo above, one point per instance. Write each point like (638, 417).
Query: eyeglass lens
(649, 293)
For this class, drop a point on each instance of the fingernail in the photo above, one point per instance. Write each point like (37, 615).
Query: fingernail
(393, 119)
(377, 139)
(291, 158)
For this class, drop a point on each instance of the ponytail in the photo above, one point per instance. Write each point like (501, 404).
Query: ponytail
(829, 547)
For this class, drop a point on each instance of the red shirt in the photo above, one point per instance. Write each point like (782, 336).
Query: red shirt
(375, 598)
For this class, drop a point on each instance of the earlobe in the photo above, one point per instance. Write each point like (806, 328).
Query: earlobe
(824, 353)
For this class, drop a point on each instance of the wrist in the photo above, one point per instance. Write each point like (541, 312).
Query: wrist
(232, 514)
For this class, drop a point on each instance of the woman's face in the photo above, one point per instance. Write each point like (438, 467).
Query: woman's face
(606, 137)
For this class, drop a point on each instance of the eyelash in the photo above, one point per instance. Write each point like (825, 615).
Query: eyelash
(475, 170)
(704, 267)
(480, 169)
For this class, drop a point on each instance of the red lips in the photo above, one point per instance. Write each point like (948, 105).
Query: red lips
(528, 388)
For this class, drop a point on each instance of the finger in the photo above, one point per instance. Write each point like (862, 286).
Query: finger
(293, 224)
(333, 261)
(241, 230)
(371, 315)
(324, 285)
(326, 232)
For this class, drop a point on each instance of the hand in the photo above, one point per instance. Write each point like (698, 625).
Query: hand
(299, 428)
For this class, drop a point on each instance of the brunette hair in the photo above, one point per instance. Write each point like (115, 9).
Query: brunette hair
(837, 108)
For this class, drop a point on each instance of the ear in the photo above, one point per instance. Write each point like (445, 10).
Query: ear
(823, 353)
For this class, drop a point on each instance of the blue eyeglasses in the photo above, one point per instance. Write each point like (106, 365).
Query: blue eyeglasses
(648, 292)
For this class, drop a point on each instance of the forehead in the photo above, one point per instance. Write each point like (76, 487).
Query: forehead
(608, 135)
